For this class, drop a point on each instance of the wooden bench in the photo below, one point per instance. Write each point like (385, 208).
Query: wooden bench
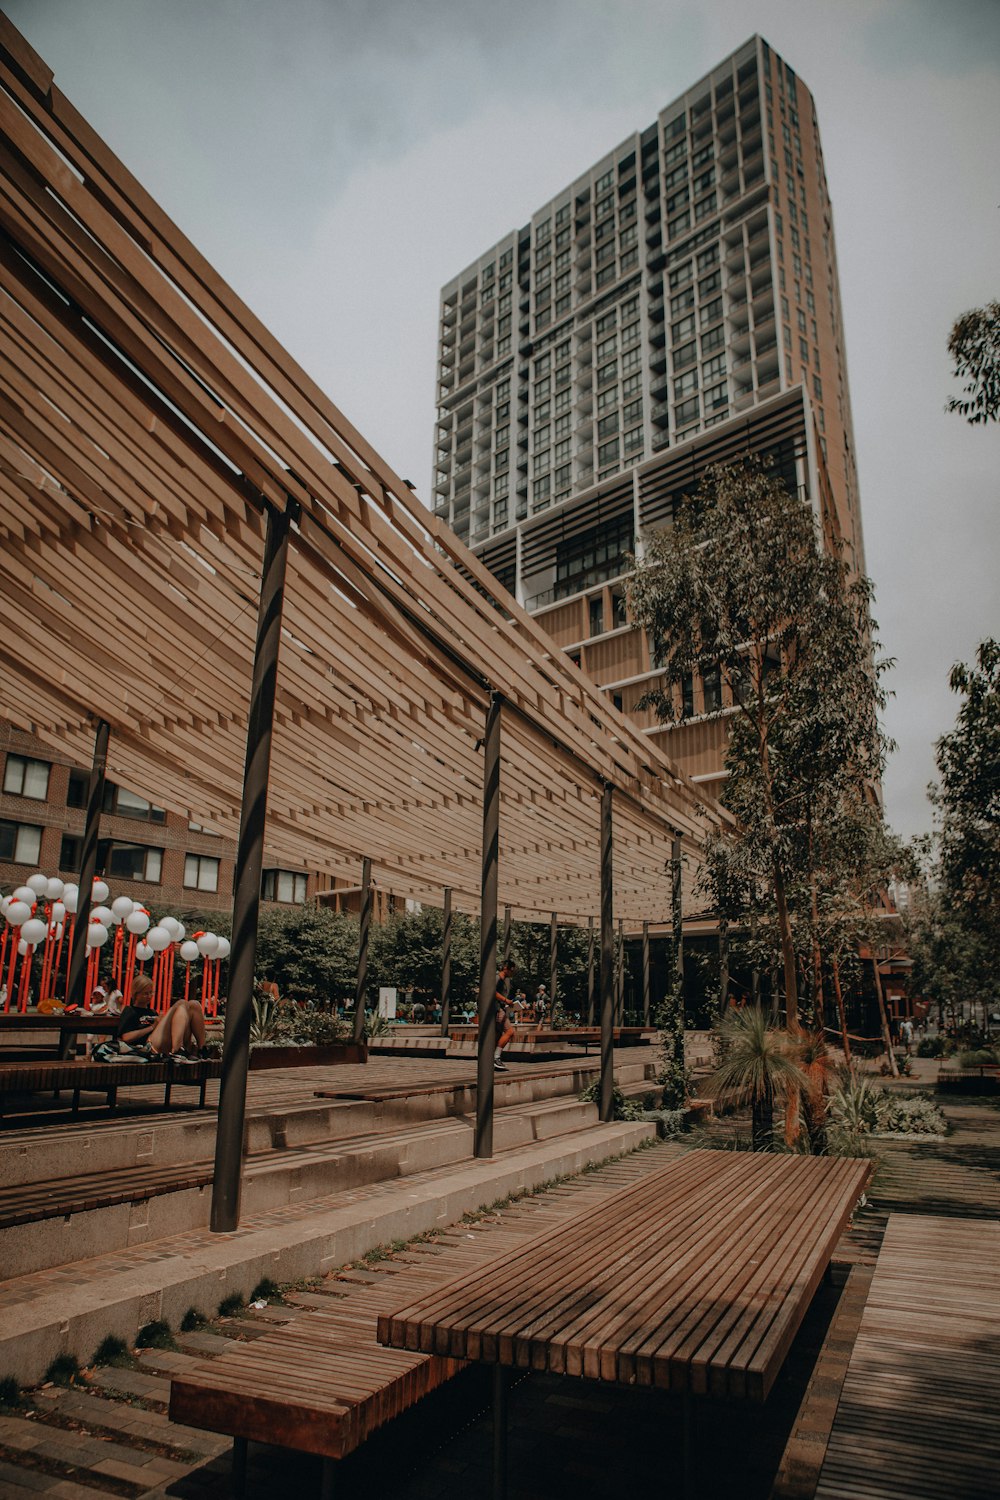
(85, 1076)
(695, 1281)
(62, 1029)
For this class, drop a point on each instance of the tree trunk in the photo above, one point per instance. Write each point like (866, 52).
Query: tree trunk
(787, 952)
(762, 1122)
(884, 1018)
(817, 957)
(840, 1009)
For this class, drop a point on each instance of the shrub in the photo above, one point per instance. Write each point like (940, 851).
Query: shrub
(113, 1351)
(63, 1370)
(155, 1335)
(230, 1306)
(265, 1290)
(10, 1391)
(621, 1108)
(977, 1057)
(193, 1320)
(931, 1046)
(913, 1114)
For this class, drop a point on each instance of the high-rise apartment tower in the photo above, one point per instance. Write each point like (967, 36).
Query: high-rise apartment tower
(676, 305)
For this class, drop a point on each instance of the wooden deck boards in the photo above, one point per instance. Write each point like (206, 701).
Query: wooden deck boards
(917, 1416)
(694, 1280)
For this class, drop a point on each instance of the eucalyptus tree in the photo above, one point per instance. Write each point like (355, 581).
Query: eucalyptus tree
(741, 584)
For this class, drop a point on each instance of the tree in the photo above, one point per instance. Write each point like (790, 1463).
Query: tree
(741, 585)
(968, 794)
(974, 345)
(757, 1068)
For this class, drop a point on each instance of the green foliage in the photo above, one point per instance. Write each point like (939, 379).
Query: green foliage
(232, 1306)
(63, 1370)
(622, 1108)
(977, 1057)
(193, 1320)
(10, 1392)
(974, 345)
(912, 1114)
(968, 793)
(155, 1335)
(672, 1071)
(860, 1108)
(113, 1351)
(309, 952)
(740, 584)
(932, 1046)
(757, 1068)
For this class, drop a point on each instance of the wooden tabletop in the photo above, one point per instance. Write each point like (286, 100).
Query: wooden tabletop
(696, 1279)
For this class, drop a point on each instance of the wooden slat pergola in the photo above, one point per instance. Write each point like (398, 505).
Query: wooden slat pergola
(153, 436)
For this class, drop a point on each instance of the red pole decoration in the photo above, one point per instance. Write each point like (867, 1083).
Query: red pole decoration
(187, 982)
(116, 956)
(206, 965)
(22, 994)
(15, 936)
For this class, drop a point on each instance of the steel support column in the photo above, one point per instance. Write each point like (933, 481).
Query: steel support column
(227, 1179)
(607, 958)
(647, 994)
(88, 867)
(488, 930)
(446, 962)
(364, 928)
(553, 962)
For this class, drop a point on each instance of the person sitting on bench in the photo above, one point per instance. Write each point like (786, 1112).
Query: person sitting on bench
(177, 1033)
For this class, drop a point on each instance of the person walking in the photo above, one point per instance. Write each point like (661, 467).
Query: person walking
(505, 1026)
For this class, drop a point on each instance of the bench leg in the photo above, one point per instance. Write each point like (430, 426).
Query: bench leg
(500, 1388)
(76, 1101)
(327, 1479)
(238, 1475)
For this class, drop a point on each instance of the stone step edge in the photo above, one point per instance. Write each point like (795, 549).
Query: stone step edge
(74, 1318)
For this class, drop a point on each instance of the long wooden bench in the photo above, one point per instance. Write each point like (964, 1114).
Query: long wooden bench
(85, 1076)
(62, 1030)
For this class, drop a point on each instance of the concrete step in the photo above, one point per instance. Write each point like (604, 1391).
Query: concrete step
(338, 1112)
(48, 1225)
(70, 1309)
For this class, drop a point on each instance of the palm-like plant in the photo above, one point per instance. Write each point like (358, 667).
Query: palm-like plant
(757, 1068)
(813, 1057)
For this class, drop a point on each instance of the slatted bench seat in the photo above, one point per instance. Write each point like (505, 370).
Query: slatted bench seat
(60, 1030)
(85, 1076)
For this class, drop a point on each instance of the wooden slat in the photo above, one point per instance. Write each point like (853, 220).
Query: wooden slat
(697, 1279)
(917, 1414)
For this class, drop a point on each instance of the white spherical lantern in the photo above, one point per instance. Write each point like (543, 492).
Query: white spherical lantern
(97, 935)
(26, 894)
(71, 898)
(54, 888)
(33, 931)
(22, 948)
(143, 952)
(170, 924)
(179, 931)
(57, 931)
(189, 952)
(102, 914)
(58, 911)
(37, 883)
(207, 944)
(100, 891)
(158, 938)
(17, 912)
(4, 903)
(121, 907)
(224, 949)
(137, 921)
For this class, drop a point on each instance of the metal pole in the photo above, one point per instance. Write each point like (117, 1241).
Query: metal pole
(446, 962)
(553, 962)
(607, 959)
(226, 1184)
(88, 866)
(723, 966)
(647, 992)
(365, 923)
(488, 930)
(591, 976)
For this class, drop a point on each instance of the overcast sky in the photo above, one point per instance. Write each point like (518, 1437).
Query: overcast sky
(339, 160)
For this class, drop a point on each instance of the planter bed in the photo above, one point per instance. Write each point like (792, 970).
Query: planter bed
(308, 1057)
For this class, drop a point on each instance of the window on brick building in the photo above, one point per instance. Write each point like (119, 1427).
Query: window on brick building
(135, 862)
(283, 885)
(201, 872)
(24, 777)
(20, 843)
